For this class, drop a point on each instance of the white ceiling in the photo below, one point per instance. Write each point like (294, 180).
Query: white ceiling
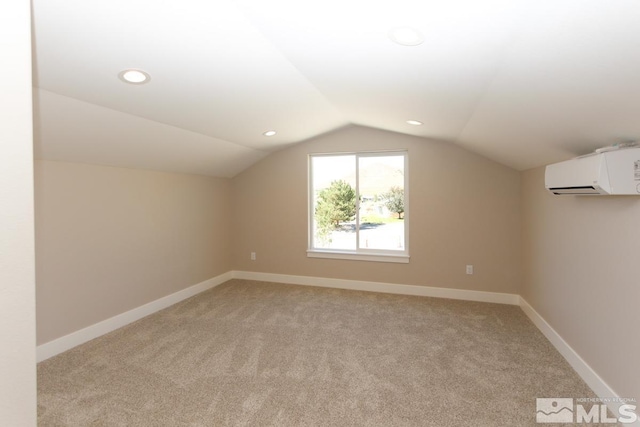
(524, 82)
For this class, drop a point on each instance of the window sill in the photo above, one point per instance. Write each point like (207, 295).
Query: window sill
(402, 259)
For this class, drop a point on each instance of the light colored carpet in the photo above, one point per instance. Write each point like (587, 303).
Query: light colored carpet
(256, 353)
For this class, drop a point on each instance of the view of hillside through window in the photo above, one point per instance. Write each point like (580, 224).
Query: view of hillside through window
(358, 202)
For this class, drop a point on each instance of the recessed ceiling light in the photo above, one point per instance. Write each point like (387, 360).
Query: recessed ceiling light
(135, 77)
(406, 36)
(414, 122)
(269, 133)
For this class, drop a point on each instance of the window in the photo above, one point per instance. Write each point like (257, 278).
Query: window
(358, 206)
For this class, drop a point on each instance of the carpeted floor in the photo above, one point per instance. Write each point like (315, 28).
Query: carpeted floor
(256, 353)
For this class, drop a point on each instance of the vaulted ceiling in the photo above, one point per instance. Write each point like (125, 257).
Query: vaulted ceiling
(523, 82)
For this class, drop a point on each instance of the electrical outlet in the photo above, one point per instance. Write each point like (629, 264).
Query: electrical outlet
(469, 269)
(253, 256)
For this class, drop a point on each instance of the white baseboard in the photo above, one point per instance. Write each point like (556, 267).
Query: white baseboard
(589, 376)
(389, 288)
(59, 345)
(62, 344)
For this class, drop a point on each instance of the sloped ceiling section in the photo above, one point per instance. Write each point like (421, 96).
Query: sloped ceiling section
(523, 82)
(67, 129)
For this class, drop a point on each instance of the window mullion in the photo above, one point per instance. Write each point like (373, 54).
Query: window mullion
(357, 203)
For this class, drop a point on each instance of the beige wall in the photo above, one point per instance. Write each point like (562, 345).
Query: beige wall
(581, 257)
(464, 210)
(17, 265)
(111, 239)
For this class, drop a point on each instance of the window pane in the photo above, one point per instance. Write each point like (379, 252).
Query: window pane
(334, 202)
(381, 186)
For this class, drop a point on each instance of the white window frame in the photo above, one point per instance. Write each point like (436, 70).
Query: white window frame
(359, 254)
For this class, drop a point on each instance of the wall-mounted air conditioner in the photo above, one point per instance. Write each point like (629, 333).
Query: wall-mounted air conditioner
(614, 172)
